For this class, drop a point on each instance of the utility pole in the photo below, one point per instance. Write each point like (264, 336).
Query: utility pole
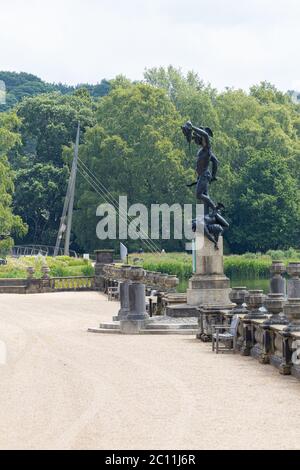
(67, 215)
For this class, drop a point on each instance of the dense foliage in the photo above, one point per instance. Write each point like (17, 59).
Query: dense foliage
(22, 85)
(132, 145)
(10, 224)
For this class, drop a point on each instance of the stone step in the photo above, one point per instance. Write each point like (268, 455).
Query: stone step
(12, 289)
(173, 331)
(170, 326)
(170, 331)
(107, 331)
(181, 310)
(110, 326)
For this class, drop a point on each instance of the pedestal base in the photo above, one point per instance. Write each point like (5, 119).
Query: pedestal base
(213, 289)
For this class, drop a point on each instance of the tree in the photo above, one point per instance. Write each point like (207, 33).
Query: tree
(132, 151)
(266, 213)
(10, 224)
(49, 122)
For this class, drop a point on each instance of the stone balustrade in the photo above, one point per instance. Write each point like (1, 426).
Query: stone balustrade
(125, 273)
(78, 283)
(273, 338)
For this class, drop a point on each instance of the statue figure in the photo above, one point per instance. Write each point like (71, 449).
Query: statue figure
(213, 224)
(207, 168)
(205, 158)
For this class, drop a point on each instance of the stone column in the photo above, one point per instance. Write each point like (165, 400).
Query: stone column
(278, 283)
(103, 257)
(293, 270)
(137, 315)
(124, 300)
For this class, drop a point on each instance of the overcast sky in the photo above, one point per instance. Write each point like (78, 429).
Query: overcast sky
(227, 42)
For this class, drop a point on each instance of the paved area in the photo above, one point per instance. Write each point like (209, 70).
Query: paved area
(63, 388)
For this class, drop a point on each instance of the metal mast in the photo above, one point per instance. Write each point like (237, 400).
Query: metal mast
(67, 215)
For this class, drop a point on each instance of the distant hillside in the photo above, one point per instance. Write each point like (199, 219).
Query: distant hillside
(20, 85)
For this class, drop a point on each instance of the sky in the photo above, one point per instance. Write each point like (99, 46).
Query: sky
(229, 43)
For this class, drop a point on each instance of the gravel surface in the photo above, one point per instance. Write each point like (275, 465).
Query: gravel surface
(63, 388)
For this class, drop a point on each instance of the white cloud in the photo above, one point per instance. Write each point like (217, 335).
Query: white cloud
(228, 43)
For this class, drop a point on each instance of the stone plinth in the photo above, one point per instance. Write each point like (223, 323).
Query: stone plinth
(209, 285)
(278, 283)
(103, 257)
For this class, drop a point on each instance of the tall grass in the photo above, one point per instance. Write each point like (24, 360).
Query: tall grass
(246, 266)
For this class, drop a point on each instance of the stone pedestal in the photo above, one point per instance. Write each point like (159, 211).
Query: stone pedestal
(103, 257)
(137, 316)
(209, 286)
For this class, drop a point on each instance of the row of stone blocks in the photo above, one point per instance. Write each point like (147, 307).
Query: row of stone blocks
(272, 335)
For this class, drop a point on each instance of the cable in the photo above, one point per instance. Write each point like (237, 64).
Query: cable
(93, 182)
(107, 194)
(103, 194)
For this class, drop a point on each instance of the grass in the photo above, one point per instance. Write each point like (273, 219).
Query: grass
(61, 266)
(246, 266)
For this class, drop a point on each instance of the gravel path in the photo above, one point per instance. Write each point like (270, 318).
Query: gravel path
(63, 388)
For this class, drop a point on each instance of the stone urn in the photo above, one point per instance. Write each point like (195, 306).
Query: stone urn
(156, 278)
(274, 304)
(30, 272)
(45, 272)
(171, 282)
(293, 270)
(292, 312)
(238, 296)
(126, 272)
(108, 270)
(254, 300)
(136, 274)
(174, 281)
(278, 283)
(163, 281)
(277, 268)
(151, 277)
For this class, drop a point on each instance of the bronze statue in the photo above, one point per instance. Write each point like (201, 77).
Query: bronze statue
(207, 168)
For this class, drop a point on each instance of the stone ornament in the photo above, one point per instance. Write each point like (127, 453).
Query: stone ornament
(30, 272)
(274, 303)
(45, 272)
(254, 300)
(292, 312)
(238, 297)
(138, 274)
